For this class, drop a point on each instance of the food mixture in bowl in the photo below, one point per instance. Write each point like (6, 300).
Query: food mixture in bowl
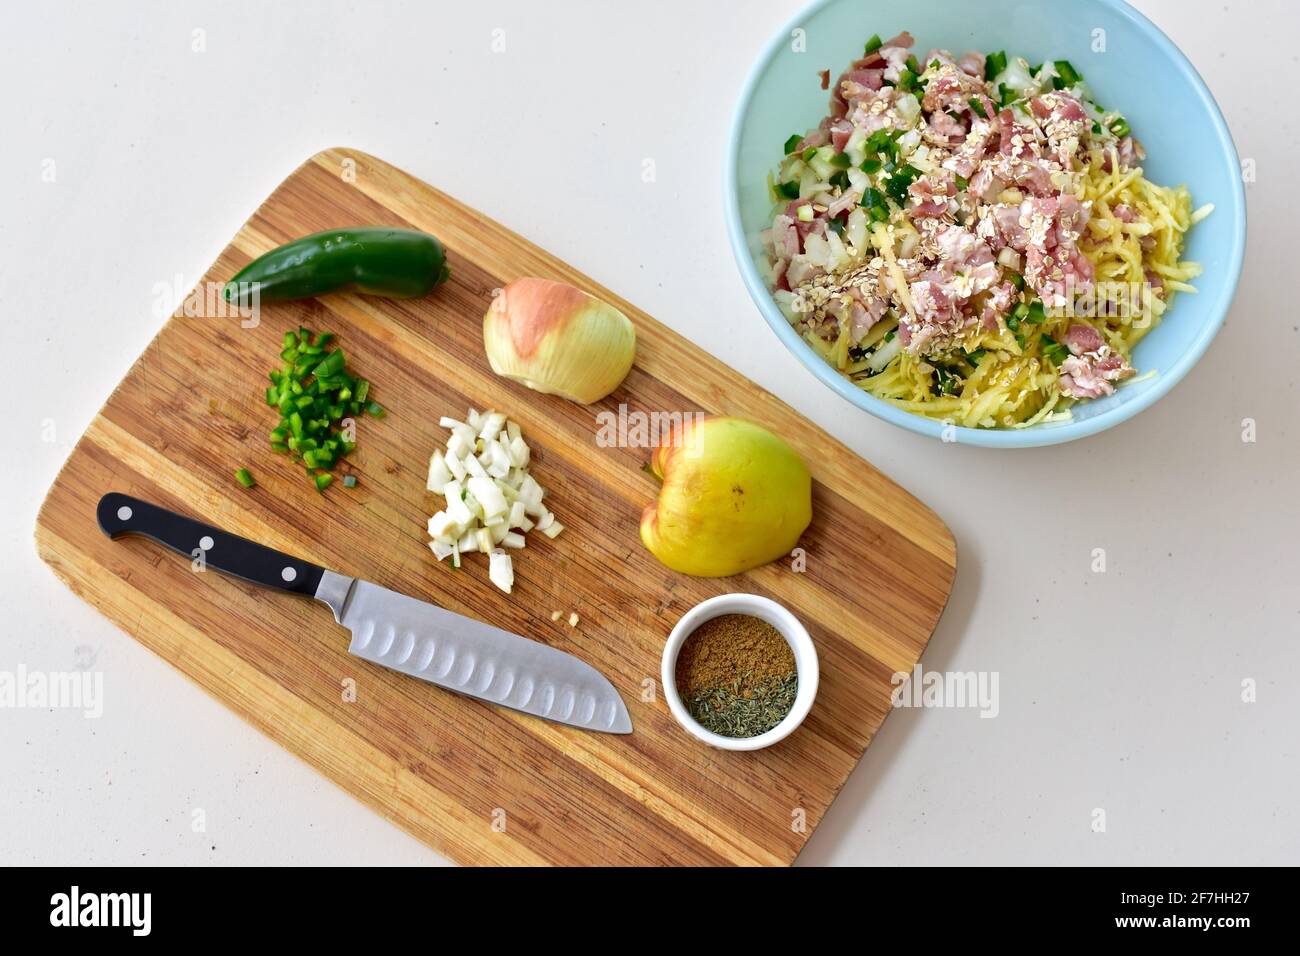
(972, 239)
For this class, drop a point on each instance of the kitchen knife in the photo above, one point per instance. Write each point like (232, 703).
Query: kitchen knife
(399, 632)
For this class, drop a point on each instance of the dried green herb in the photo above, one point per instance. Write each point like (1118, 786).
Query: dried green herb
(733, 712)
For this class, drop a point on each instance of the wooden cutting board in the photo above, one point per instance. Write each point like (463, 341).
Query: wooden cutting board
(481, 784)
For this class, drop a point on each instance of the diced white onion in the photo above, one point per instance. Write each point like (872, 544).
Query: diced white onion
(459, 512)
(530, 491)
(457, 447)
(443, 524)
(493, 422)
(519, 453)
(908, 108)
(488, 495)
(501, 571)
(501, 461)
(491, 499)
(439, 474)
(1015, 76)
(857, 229)
(816, 249)
(885, 354)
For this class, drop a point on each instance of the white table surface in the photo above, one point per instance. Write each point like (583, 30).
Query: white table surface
(1120, 691)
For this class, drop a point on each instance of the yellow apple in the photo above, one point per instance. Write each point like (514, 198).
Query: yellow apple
(734, 497)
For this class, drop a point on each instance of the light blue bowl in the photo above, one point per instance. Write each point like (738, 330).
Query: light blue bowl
(1140, 73)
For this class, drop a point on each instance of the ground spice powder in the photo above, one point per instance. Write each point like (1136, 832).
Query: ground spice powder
(737, 675)
(731, 648)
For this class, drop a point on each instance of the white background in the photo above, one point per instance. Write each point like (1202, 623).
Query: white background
(1119, 691)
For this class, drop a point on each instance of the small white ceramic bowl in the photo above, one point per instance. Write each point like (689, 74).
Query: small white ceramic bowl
(805, 660)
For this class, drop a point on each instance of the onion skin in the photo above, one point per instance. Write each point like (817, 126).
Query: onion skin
(559, 340)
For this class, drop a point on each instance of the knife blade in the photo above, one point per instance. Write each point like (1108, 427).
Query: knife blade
(394, 630)
(470, 657)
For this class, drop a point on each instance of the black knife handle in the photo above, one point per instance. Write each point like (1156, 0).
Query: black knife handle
(121, 514)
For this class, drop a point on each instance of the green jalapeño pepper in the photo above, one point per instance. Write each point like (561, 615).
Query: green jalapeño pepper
(376, 260)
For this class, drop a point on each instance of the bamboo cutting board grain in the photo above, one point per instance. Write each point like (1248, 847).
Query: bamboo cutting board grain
(477, 783)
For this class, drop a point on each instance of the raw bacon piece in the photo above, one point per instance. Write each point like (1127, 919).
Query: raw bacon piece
(779, 278)
(972, 63)
(1130, 153)
(843, 203)
(961, 247)
(1020, 161)
(1058, 277)
(943, 130)
(938, 313)
(818, 137)
(951, 89)
(895, 53)
(1017, 140)
(1064, 122)
(1010, 229)
(876, 112)
(996, 306)
(985, 184)
(840, 133)
(966, 159)
(800, 271)
(854, 84)
(785, 238)
(965, 269)
(865, 312)
(1058, 107)
(1092, 374)
(968, 260)
(1083, 338)
(930, 194)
